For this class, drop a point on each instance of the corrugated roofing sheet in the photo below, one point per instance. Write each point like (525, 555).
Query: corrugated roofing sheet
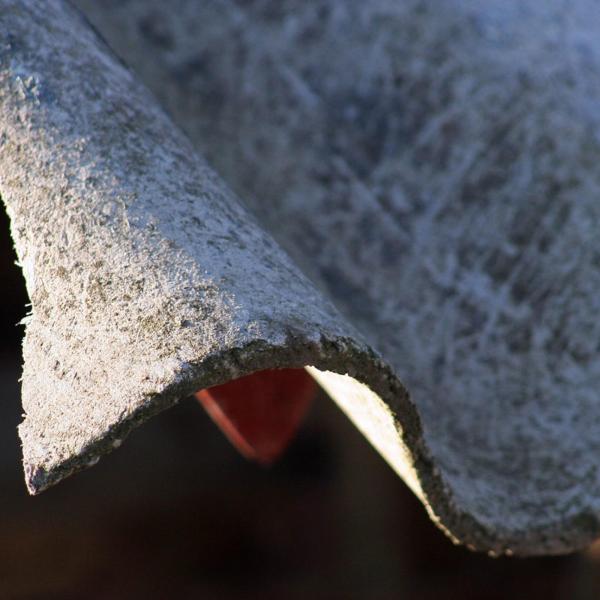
(419, 208)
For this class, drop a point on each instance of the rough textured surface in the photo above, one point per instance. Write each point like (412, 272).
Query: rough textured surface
(147, 279)
(430, 168)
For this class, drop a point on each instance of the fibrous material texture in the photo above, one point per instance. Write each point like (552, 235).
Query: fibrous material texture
(419, 211)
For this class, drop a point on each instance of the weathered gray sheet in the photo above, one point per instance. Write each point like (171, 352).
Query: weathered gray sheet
(429, 167)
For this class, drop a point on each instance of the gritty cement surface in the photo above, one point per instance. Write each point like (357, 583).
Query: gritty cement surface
(431, 173)
(141, 266)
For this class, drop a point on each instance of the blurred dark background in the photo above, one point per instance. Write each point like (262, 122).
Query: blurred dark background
(177, 513)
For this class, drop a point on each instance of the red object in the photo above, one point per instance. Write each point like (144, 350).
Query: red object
(261, 412)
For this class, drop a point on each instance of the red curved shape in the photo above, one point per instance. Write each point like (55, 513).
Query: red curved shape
(261, 412)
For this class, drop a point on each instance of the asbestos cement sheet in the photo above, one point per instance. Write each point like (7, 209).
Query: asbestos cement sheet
(419, 211)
